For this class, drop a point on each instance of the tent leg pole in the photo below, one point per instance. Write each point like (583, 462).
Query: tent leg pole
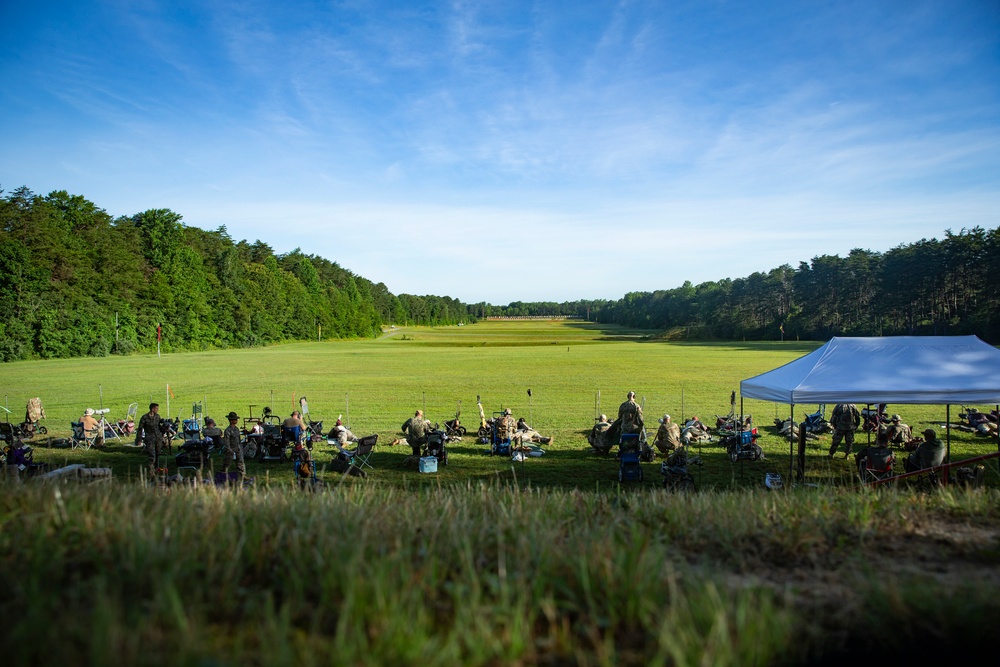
(947, 440)
(802, 452)
(869, 431)
(791, 427)
(739, 436)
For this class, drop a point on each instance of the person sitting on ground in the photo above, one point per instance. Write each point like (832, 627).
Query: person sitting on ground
(928, 454)
(598, 437)
(91, 425)
(878, 454)
(668, 436)
(416, 428)
(525, 433)
(212, 431)
(898, 433)
(341, 434)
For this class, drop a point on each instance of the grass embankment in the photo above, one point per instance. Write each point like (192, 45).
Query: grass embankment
(379, 383)
(486, 574)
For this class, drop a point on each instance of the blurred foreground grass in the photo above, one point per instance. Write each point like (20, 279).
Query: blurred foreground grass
(487, 574)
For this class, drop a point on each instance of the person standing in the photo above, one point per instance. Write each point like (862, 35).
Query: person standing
(630, 415)
(415, 428)
(234, 448)
(845, 420)
(148, 433)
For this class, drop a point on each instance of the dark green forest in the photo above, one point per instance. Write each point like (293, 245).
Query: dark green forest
(940, 287)
(74, 281)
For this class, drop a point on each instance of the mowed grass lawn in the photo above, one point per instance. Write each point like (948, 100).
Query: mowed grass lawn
(379, 383)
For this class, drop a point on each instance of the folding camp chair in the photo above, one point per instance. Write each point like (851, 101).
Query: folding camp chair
(875, 465)
(82, 439)
(360, 455)
(126, 426)
(291, 434)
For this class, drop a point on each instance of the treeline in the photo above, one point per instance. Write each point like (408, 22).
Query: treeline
(75, 282)
(538, 309)
(932, 287)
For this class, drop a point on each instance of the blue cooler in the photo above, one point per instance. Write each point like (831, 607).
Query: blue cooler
(428, 464)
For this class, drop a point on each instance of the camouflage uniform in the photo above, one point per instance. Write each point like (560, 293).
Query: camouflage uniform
(630, 416)
(845, 420)
(234, 449)
(668, 437)
(599, 436)
(525, 433)
(898, 433)
(416, 428)
(342, 434)
(149, 434)
(505, 427)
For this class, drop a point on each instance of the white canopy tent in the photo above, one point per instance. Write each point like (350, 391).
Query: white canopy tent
(946, 370)
(895, 369)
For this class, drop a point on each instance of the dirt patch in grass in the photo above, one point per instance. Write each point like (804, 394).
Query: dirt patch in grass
(859, 617)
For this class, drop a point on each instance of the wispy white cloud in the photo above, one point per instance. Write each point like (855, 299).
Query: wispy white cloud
(724, 137)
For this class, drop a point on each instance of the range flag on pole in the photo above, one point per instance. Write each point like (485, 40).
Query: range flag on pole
(170, 391)
(159, 332)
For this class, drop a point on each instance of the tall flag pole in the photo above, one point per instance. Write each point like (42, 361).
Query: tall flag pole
(159, 334)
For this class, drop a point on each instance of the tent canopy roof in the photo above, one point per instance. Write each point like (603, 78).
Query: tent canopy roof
(894, 369)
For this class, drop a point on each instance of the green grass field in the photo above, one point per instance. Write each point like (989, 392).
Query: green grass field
(485, 563)
(379, 383)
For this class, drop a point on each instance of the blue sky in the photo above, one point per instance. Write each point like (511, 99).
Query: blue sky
(505, 151)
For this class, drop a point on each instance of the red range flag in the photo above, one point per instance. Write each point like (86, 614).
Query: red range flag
(159, 331)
